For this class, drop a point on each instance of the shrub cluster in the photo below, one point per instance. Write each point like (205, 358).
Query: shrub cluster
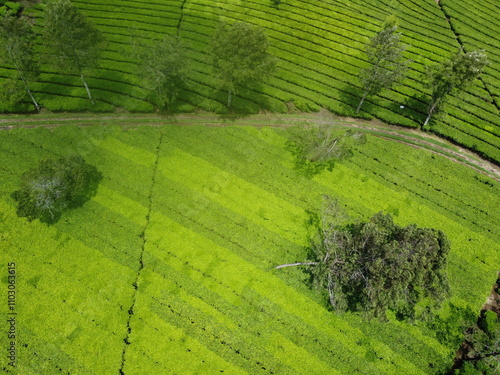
(53, 186)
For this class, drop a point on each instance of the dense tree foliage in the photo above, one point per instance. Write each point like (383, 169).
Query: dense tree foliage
(165, 68)
(239, 55)
(482, 345)
(17, 45)
(320, 147)
(387, 65)
(53, 186)
(74, 42)
(453, 75)
(377, 265)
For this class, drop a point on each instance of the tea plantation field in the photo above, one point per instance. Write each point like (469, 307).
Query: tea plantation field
(169, 268)
(320, 47)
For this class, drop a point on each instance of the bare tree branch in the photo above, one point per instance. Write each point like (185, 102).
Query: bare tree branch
(296, 264)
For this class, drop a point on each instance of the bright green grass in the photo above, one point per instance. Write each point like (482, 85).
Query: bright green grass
(320, 48)
(187, 226)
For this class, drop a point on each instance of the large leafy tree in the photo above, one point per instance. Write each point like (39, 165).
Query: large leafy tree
(53, 186)
(385, 56)
(165, 68)
(377, 265)
(453, 75)
(239, 56)
(17, 42)
(74, 42)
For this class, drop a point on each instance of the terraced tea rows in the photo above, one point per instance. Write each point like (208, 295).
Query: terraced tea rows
(169, 268)
(320, 47)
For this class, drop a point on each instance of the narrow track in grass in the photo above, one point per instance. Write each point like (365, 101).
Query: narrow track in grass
(126, 340)
(411, 137)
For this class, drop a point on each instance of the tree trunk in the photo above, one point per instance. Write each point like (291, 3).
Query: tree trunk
(296, 264)
(362, 100)
(229, 98)
(478, 358)
(331, 294)
(27, 88)
(87, 88)
(427, 120)
(333, 146)
(431, 112)
(32, 98)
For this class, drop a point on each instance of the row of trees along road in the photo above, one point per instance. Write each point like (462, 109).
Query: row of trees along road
(388, 67)
(239, 55)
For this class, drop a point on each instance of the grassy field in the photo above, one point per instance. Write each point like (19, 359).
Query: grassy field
(320, 47)
(169, 268)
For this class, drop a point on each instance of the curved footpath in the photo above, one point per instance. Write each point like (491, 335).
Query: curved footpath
(412, 137)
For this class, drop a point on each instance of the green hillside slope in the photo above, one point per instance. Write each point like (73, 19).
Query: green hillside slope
(477, 26)
(320, 47)
(169, 268)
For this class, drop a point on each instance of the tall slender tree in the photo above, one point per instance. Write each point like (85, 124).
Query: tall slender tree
(387, 65)
(16, 42)
(74, 41)
(453, 75)
(239, 55)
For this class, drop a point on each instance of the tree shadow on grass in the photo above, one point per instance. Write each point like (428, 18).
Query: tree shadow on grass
(413, 107)
(94, 179)
(350, 96)
(301, 164)
(248, 100)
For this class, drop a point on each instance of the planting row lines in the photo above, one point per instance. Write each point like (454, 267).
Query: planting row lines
(469, 249)
(208, 269)
(460, 187)
(467, 214)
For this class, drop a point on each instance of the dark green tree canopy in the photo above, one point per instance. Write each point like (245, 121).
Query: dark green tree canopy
(385, 55)
(53, 186)
(17, 39)
(482, 346)
(377, 265)
(239, 55)
(165, 68)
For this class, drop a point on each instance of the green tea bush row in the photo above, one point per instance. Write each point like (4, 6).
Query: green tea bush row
(442, 194)
(478, 29)
(472, 125)
(193, 260)
(324, 40)
(207, 286)
(469, 141)
(252, 340)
